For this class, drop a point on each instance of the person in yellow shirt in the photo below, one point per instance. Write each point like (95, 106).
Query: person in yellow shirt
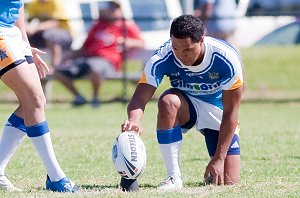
(49, 27)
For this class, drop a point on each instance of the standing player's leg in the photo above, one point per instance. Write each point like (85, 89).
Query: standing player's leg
(24, 81)
(232, 161)
(13, 134)
(173, 112)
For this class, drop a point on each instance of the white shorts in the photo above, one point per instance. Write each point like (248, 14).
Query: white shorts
(13, 50)
(208, 116)
(207, 120)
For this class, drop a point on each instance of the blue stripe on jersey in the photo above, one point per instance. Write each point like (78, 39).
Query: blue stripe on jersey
(230, 66)
(155, 64)
(167, 42)
(227, 45)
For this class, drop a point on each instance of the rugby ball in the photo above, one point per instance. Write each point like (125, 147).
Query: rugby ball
(129, 155)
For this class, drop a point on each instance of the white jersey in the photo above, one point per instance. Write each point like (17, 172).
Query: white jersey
(220, 69)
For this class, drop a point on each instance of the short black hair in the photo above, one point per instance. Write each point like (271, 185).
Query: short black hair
(187, 26)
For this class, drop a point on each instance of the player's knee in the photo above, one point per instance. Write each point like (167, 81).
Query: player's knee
(168, 103)
(38, 101)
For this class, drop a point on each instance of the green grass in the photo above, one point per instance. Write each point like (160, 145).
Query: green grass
(272, 72)
(83, 138)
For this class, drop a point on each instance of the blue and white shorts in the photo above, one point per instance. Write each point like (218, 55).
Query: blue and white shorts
(207, 118)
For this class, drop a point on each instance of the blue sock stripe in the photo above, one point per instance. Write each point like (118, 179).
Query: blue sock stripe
(17, 122)
(38, 129)
(169, 136)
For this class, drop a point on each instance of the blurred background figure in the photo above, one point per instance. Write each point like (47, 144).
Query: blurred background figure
(219, 17)
(49, 27)
(102, 53)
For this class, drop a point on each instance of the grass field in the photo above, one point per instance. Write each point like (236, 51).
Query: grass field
(83, 139)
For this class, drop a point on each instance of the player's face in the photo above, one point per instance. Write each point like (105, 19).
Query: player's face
(186, 50)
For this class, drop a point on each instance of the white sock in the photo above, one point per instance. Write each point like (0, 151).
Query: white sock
(170, 154)
(44, 147)
(11, 139)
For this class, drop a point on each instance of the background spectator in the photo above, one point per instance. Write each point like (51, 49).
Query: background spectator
(49, 28)
(102, 51)
(219, 17)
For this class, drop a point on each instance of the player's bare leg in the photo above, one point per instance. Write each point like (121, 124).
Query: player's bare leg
(232, 169)
(29, 92)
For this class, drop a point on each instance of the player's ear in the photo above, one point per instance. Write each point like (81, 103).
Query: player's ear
(201, 39)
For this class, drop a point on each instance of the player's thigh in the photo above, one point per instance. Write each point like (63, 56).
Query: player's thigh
(16, 73)
(174, 97)
(232, 169)
(24, 81)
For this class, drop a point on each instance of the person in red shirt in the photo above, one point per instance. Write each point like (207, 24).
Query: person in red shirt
(101, 53)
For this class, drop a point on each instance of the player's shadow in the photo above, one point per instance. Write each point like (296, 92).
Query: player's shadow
(195, 184)
(148, 186)
(97, 187)
(102, 187)
(93, 187)
(87, 187)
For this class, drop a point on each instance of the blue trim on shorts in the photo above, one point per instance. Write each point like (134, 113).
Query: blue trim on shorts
(29, 59)
(16, 122)
(211, 139)
(169, 136)
(10, 66)
(38, 129)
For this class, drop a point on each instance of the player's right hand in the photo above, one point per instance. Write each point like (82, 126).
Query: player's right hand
(40, 64)
(131, 126)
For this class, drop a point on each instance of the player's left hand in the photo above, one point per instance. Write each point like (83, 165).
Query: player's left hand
(40, 64)
(216, 168)
(131, 126)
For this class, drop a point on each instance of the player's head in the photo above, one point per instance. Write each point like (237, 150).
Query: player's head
(187, 26)
(187, 37)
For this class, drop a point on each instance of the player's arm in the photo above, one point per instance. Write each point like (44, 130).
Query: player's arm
(136, 107)
(231, 102)
(20, 23)
(41, 66)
